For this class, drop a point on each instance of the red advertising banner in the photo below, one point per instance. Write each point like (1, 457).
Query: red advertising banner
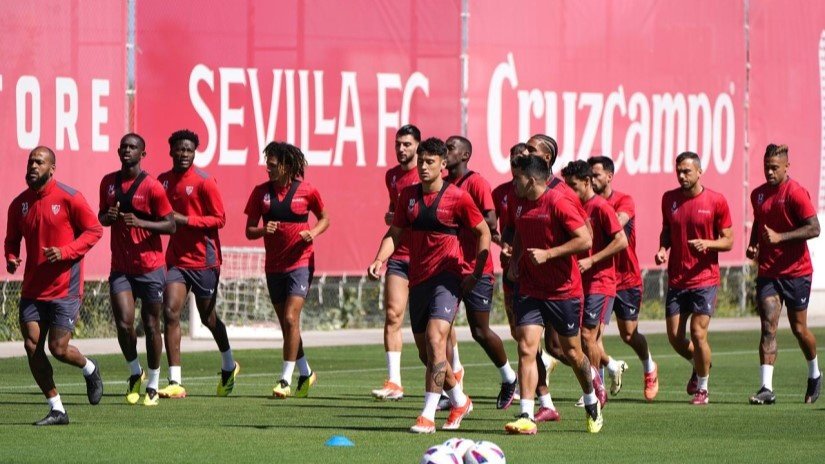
(335, 78)
(637, 81)
(62, 84)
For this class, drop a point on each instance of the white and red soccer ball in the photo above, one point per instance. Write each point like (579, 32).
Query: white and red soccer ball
(464, 451)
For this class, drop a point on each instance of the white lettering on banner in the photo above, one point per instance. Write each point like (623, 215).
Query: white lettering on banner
(659, 126)
(65, 118)
(27, 86)
(347, 126)
(100, 115)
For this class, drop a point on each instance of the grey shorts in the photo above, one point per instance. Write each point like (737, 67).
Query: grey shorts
(563, 316)
(597, 309)
(435, 298)
(691, 301)
(62, 312)
(794, 292)
(398, 268)
(203, 283)
(627, 305)
(282, 285)
(148, 287)
(481, 297)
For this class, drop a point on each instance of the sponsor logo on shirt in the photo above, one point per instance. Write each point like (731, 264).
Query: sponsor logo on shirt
(189, 189)
(704, 211)
(299, 200)
(25, 208)
(138, 197)
(111, 190)
(55, 209)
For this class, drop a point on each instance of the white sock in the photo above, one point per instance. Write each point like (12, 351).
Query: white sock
(703, 383)
(56, 404)
(590, 398)
(767, 376)
(546, 401)
(430, 405)
(456, 360)
(394, 366)
(89, 368)
(457, 396)
(154, 379)
(601, 373)
(508, 375)
(303, 366)
(227, 361)
(527, 407)
(174, 374)
(612, 365)
(286, 371)
(134, 366)
(648, 364)
(813, 368)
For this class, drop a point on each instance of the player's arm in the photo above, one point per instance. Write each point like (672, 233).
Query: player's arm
(388, 244)
(623, 218)
(492, 225)
(389, 214)
(580, 241)
(664, 237)
(810, 229)
(213, 206)
(165, 226)
(11, 245)
(83, 220)
(617, 244)
(255, 231)
(107, 215)
(320, 227)
(515, 257)
(482, 233)
(753, 244)
(723, 243)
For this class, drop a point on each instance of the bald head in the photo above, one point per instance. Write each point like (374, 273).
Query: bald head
(45, 151)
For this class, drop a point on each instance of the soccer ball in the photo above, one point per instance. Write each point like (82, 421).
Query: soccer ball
(440, 454)
(485, 452)
(459, 445)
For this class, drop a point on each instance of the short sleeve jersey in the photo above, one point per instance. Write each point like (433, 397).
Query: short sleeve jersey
(628, 272)
(783, 208)
(479, 189)
(601, 278)
(397, 179)
(701, 217)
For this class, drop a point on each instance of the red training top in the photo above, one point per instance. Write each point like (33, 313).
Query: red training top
(601, 278)
(628, 271)
(479, 189)
(397, 179)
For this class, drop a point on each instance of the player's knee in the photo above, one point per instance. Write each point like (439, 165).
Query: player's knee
(291, 322)
(799, 330)
(170, 316)
(58, 350)
(30, 345)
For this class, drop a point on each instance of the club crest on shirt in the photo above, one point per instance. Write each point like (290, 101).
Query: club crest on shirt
(266, 198)
(189, 189)
(518, 211)
(55, 209)
(412, 204)
(25, 208)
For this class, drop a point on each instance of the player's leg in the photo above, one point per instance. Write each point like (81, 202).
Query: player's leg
(174, 299)
(34, 328)
(591, 321)
(630, 335)
(587, 377)
(699, 324)
(123, 309)
(396, 294)
(769, 307)
(797, 293)
(150, 288)
(615, 368)
(529, 328)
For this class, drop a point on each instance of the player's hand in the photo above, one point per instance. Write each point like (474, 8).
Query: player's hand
(13, 264)
(512, 273)
(585, 265)
(468, 284)
(752, 252)
(538, 256)
(113, 213)
(506, 251)
(389, 217)
(52, 254)
(770, 235)
(272, 226)
(661, 257)
(307, 236)
(131, 220)
(699, 245)
(374, 270)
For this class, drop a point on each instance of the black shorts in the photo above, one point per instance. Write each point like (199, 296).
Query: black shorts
(597, 307)
(203, 283)
(398, 268)
(794, 292)
(285, 284)
(148, 287)
(61, 312)
(564, 316)
(691, 301)
(628, 304)
(435, 298)
(481, 296)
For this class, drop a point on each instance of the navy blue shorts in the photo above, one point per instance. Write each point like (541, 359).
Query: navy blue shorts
(398, 268)
(627, 305)
(564, 316)
(148, 287)
(692, 301)
(794, 292)
(285, 284)
(435, 298)
(596, 309)
(203, 283)
(61, 312)
(481, 297)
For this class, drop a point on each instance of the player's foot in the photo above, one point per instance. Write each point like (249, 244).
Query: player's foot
(814, 386)
(616, 378)
(444, 404)
(389, 392)
(523, 425)
(456, 414)
(693, 384)
(94, 384)
(700, 398)
(505, 394)
(54, 418)
(652, 384)
(580, 403)
(151, 398)
(305, 382)
(598, 386)
(547, 415)
(595, 420)
(227, 382)
(763, 396)
(423, 425)
(133, 391)
(173, 390)
(281, 390)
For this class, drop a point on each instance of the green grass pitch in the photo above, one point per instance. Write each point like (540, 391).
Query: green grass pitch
(250, 427)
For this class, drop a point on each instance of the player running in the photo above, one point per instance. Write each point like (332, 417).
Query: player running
(434, 212)
(135, 206)
(59, 228)
(193, 259)
(628, 301)
(479, 302)
(284, 202)
(696, 226)
(784, 218)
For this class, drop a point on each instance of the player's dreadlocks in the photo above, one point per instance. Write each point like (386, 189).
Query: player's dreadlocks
(548, 146)
(289, 156)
